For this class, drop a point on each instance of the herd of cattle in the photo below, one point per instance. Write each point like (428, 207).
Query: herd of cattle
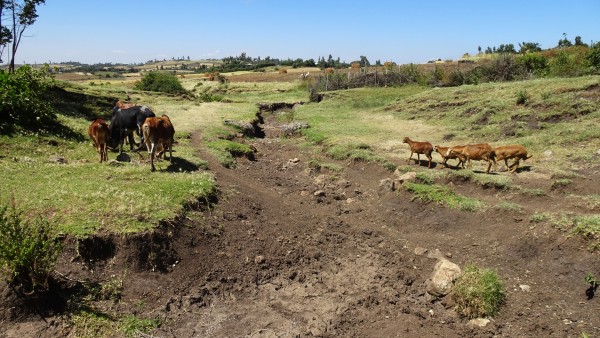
(466, 153)
(156, 133)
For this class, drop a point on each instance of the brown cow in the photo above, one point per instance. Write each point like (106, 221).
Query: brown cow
(419, 148)
(477, 152)
(98, 132)
(447, 155)
(158, 131)
(122, 105)
(516, 151)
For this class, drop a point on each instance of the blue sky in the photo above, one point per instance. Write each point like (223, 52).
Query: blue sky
(131, 31)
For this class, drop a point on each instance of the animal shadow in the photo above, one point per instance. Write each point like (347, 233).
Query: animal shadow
(182, 165)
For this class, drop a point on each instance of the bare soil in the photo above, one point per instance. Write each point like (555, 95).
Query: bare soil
(289, 251)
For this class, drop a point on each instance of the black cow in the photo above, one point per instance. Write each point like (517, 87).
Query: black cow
(124, 121)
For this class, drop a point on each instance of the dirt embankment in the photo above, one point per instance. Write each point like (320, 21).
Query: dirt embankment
(290, 251)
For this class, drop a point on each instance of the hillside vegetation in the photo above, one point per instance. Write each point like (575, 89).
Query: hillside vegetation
(557, 119)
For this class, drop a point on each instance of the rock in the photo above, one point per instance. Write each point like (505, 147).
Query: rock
(259, 259)
(57, 159)
(443, 277)
(386, 185)
(319, 193)
(548, 153)
(479, 322)
(410, 176)
(525, 288)
(419, 251)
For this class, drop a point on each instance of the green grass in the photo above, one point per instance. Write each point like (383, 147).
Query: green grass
(443, 195)
(226, 151)
(83, 196)
(509, 206)
(478, 293)
(91, 323)
(587, 225)
(493, 181)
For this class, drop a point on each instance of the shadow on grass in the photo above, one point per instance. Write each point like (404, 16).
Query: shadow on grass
(182, 165)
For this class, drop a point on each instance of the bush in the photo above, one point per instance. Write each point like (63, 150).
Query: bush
(478, 293)
(28, 250)
(593, 56)
(23, 105)
(160, 82)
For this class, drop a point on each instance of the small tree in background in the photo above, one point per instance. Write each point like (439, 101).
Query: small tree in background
(160, 82)
(22, 14)
(593, 56)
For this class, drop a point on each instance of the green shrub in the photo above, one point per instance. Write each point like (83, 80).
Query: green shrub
(522, 97)
(478, 293)
(23, 102)
(593, 56)
(28, 249)
(160, 82)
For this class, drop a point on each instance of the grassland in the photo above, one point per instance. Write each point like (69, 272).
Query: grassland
(558, 121)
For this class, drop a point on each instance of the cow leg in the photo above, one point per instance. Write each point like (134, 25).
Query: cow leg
(419, 159)
(409, 158)
(152, 149)
(429, 157)
(515, 165)
(131, 141)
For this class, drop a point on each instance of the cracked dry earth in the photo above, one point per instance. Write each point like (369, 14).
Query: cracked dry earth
(289, 251)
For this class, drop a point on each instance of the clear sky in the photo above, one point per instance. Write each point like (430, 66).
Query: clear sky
(132, 31)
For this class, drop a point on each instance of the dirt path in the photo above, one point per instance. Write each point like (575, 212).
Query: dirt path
(288, 251)
(299, 252)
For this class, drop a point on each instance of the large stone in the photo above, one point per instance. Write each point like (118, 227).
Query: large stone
(443, 277)
(410, 176)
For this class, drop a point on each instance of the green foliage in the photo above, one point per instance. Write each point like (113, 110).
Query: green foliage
(478, 293)
(563, 65)
(522, 96)
(24, 105)
(534, 63)
(591, 279)
(160, 82)
(593, 56)
(28, 249)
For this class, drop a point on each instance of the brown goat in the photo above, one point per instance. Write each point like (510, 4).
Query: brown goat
(516, 151)
(419, 148)
(98, 132)
(446, 154)
(477, 152)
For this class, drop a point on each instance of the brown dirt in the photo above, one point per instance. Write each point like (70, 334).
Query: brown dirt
(288, 251)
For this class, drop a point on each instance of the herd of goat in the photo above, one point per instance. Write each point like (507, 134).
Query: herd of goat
(156, 132)
(466, 153)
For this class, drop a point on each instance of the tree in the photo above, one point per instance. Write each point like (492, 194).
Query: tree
(22, 14)
(364, 61)
(564, 42)
(578, 42)
(529, 47)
